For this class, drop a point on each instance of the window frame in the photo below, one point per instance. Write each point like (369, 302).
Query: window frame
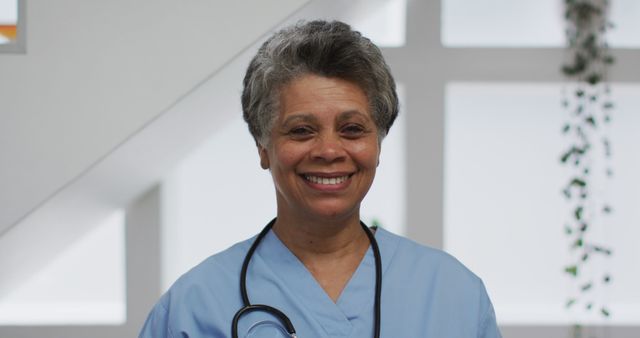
(19, 46)
(431, 67)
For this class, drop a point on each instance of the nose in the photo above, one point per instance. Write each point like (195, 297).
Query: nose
(328, 148)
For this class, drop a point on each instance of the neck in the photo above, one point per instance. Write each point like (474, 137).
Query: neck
(330, 250)
(311, 237)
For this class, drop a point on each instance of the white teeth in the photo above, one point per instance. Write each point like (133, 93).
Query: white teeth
(326, 180)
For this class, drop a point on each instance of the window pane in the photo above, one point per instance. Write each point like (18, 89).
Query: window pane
(530, 23)
(386, 200)
(8, 21)
(383, 21)
(84, 284)
(625, 14)
(504, 212)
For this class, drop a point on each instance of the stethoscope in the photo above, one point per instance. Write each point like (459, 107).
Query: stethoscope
(248, 307)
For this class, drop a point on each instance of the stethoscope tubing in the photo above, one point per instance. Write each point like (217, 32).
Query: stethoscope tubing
(286, 322)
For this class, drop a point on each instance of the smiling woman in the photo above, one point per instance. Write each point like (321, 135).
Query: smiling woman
(322, 153)
(319, 99)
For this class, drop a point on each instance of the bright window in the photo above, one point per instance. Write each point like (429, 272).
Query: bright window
(8, 21)
(82, 285)
(504, 211)
(383, 21)
(526, 23)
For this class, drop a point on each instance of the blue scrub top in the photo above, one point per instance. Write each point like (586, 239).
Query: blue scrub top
(425, 293)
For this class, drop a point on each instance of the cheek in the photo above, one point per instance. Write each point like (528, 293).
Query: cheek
(366, 154)
(287, 158)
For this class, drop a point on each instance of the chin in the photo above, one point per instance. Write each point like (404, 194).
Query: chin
(334, 213)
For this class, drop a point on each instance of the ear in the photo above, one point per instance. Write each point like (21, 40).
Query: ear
(264, 157)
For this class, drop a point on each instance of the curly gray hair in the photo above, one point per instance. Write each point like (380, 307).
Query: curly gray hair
(330, 49)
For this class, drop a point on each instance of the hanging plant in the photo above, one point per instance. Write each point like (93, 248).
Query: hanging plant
(587, 101)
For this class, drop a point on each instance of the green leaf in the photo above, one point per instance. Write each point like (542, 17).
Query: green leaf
(590, 120)
(578, 213)
(602, 250)
(606, 279)
(609, 60)
(594, 79)
(605, 312)
(578, 243)
(570, 302)
(578, 182)
(572, 270)
(586, 287)
(565, 157)
(584, 227)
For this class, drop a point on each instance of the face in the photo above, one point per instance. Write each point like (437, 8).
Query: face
(323, 149)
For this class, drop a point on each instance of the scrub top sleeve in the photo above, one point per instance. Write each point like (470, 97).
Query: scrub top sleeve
(157, 324)
(488, 324)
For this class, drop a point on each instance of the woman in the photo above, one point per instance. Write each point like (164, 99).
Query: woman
(319, 99)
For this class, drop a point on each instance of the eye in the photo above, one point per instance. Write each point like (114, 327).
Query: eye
(300, 132)
(353, 130)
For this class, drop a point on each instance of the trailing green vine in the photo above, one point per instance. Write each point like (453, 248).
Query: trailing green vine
(588, 156)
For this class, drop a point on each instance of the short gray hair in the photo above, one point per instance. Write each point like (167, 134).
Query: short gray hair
(330, 49)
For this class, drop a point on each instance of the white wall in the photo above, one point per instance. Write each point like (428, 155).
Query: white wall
(94, 73)
(106, 99)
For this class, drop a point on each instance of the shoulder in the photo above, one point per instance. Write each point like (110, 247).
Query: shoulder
(432, 274)
(202, 291)
(218, 270)
(408, 255)
(439, 290)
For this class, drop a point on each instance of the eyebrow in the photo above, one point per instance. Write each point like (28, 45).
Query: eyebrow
(301, 117)
(310, 118)
(349, 114)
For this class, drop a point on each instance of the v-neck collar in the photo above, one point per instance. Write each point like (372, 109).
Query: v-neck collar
(356, 298)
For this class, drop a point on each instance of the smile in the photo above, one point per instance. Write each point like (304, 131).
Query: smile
(326, 180)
